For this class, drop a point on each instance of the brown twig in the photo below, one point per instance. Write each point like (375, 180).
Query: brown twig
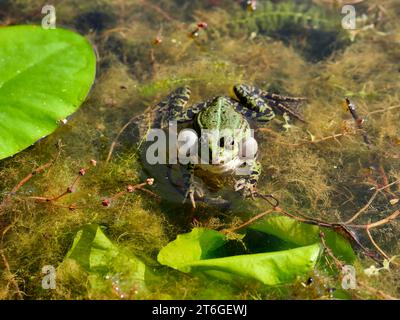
(376, 245)
(248, 222)
(12, 280)
(358, 121)
(5, 261)
(332, 137)
(118, 30)
(379, 223)
(376, 291)
(385, 181)
(114, 143)
(366, 206)
(70, 189)
(382, 110)
(341, 228)
(154, 195)
(339, 264)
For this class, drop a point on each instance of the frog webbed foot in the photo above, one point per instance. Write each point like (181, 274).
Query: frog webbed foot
(246, 187)
(193, 189)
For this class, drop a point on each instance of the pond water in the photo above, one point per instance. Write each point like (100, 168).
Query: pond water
(329, 167)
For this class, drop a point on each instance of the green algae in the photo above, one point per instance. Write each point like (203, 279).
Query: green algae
(329, 179)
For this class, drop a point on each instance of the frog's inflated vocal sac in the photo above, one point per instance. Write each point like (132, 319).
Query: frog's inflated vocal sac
(224, 114)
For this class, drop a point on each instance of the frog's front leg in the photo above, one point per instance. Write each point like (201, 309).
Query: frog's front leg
(247, 185)
(188, 114)
(172, 108)
(192, 187)
(158, 116)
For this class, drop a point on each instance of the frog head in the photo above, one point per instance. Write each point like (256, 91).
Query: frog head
(225, 130)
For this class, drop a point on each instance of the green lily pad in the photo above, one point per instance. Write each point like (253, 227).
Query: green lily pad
(197, 245)
(197, 252)
(303, 234)
(45, 75)
(106, 263)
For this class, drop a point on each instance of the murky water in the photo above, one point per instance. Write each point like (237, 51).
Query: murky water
(322, 168)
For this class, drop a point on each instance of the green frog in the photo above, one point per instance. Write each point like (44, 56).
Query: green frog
(228, 152)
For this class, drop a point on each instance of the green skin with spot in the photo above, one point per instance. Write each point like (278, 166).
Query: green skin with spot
(222, 114)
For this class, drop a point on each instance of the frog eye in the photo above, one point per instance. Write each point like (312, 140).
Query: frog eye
(248, 148)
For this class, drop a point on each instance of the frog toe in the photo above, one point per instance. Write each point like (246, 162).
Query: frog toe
(240, 184)
(194, 190)
(246, 188)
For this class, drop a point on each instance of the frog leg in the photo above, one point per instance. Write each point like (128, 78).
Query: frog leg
(264, 102)
(251, 98)
(167, 110)
(191, 186)
(247, 186)
(289, 108)
(172, 107)
(190, 113)
(278, 97)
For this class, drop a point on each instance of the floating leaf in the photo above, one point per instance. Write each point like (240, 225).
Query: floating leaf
(196, 245)
(303, 234)
(106, 264)
(197, 251)
(45, 75)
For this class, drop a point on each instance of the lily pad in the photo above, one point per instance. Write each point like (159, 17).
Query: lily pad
(303, 234)
(197, 252)
(106, 263)
(45, 75)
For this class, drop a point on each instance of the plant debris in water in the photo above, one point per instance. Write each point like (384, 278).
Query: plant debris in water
(324, 169)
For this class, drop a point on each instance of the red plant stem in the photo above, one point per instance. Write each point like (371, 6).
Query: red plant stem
(23, 182)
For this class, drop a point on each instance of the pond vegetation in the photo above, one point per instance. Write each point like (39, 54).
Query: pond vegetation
(87, 179)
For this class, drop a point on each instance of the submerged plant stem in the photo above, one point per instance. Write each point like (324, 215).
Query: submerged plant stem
(23, 182)
(364, 208)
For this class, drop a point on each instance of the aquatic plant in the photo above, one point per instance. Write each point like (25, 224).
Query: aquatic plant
(45, 76)
(322, 170)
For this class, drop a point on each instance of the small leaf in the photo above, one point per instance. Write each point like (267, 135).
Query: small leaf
(106, 263)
